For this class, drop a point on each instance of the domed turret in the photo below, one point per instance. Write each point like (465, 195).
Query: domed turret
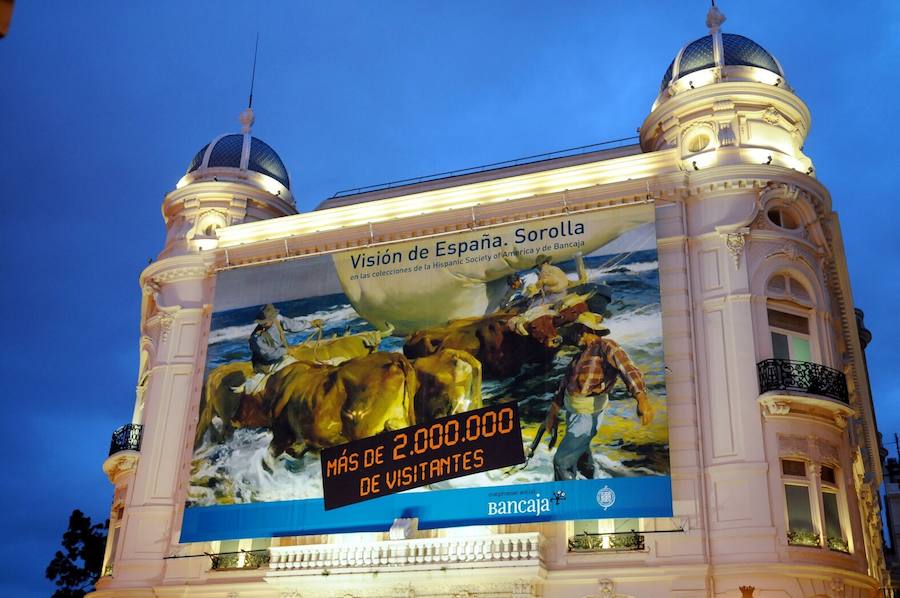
(725, 100)
(234, 178)
(239, 152)
(719, 57)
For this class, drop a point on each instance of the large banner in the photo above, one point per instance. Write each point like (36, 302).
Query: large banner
(558, 318)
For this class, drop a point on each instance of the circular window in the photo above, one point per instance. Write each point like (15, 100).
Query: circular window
(784, 218)
(699, 142)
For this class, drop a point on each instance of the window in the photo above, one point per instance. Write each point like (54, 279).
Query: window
(834, 532)
(784, 286)
(790, 336)
(784, 217)
(242, 554)
(597, 535)
(813, 504)
(698, 142)
(801, 530)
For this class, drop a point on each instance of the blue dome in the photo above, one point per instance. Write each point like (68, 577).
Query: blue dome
(228, 152)
(737, 50)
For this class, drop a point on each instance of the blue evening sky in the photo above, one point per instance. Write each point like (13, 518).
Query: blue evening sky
(103, 104)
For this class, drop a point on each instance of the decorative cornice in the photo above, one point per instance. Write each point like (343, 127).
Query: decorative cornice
(120, 463)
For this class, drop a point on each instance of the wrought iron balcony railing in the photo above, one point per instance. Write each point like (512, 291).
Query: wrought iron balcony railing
(802, 376)
(621, 541)
(126, 438)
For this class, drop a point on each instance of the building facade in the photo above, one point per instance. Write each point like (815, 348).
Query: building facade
(774, 453)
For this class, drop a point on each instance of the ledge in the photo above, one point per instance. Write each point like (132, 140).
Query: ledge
(784, 403)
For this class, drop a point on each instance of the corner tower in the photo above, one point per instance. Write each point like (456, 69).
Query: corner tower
(233, 179)
(725, 100)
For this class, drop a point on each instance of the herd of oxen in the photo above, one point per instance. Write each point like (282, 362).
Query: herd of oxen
(343, 388)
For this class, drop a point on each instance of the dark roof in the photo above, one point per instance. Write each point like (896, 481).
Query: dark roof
(737, 51)
(228, 153)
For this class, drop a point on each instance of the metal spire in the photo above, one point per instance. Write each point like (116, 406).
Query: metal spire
(246, 116)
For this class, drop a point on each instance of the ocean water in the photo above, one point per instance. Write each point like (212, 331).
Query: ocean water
(242, 470)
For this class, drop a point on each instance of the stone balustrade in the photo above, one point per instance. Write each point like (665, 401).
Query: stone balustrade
(502, 548)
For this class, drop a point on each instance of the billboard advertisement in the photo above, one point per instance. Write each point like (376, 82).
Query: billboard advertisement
(505, 374)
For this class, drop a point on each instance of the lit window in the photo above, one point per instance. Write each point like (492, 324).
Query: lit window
(698, 142)
(834, 530)
(801, 530)
(790, 336)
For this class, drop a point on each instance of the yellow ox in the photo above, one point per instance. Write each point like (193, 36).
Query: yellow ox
(449, 383)
(338, 349)
(317, 406)
(238, 410)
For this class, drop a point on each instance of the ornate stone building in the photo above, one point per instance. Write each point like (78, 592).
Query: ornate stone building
(774, 452)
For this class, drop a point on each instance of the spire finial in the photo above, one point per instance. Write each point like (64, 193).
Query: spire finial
(246, 116)
(714, 18)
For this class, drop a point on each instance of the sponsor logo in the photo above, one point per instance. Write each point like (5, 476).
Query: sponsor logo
(606, 497)
(537, 505)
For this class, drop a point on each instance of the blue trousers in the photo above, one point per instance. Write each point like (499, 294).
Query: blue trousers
(574, 452)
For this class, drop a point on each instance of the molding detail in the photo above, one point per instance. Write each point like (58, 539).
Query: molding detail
(119, 463)
(607, 588)
(182, 273)
(735, 242)
(167, 317)
(778, 407)
(836, 588)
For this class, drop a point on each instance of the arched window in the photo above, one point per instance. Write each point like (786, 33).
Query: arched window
(788, 310)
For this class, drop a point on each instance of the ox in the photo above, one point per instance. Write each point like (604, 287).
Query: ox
(449, 383)
(338, 349)
(317, 405)
(223, 397)
(501, 351)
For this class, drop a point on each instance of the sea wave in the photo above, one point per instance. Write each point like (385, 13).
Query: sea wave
(337, 317)
(637, 328)
(241, 471)
(607, 270)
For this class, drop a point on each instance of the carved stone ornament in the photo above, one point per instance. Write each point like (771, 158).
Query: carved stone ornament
(771, 115)
(150, 288)
(119, 463)
(837, 589)
(726, 136)
(827, 452)
(182, 273)
(735, 243)
(291, 594)
(840, 420)
(166, 318)
(778, 407)
(793, 445)
(607, 588)
(525, 589)
(747, 591)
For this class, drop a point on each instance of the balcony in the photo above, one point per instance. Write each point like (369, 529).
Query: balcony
(802, 376)
(523, 549)
(788, 386)
(615, 542)
(126, 438)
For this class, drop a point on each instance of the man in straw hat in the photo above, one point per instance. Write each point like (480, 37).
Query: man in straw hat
(584, 393)
(552, 280)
